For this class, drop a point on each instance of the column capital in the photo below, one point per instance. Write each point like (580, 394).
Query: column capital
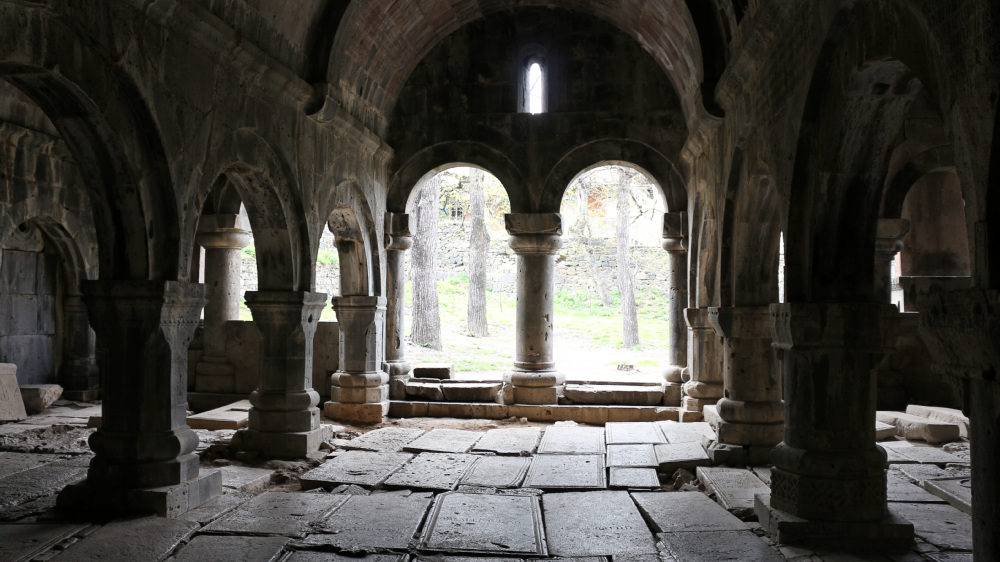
(889, 234)
(741, 321)
(222, 231)
(533, 223)
(675, 232)
(397, 231)
(860, 326)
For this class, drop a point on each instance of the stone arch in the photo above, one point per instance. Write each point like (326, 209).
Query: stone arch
(353, 228)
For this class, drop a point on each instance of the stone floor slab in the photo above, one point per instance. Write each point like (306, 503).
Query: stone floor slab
(12, 463)
(595, 524)
(445, 441)
(216, 507)
(367, 468)
(930, 455)
(318, 556)
(685, 511)
(497, 472)
(957, 492)
(27, 485)
(632, 432)
(482, 523)
(687, 455)
(245, 478)
(228, 547)
(734, 488)
(572, 440)
(939, 524)
(385, 440)
(632, 478)
(566, 471)
(923, 472)
(432, 471)
(21, 541)
(277, 513)
(716, 546)
(899, 489)
(510, 441)
(686, 432)
(950, 556)
(378, 521)
(637, 455)
(147, 538)
(895, 457)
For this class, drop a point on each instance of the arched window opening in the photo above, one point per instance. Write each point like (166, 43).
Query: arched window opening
(533, 97)
(781, 267)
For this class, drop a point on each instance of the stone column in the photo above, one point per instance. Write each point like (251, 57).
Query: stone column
(359, 389)
(828, 483)
(888, 242)
(535, 238)
(222, 238)
(399, 240)
(78, 374)
(674, 234)
(284, 419)
(750, 411)
(144, 451)
(704, 359)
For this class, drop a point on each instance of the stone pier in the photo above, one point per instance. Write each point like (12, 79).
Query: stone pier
(399, 240)
(359, 391)
(674, 234)
(704, 359)
(535, 238)
(284, 418)
(750, 410)
(888, 242)
(78, 374)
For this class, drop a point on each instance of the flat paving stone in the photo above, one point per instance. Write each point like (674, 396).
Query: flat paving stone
(215, 507)
(318, 556)
(487, 524)
(939, 524)
(685, 511)
(734, 488)
(445, 441)
(21, 541)
(367, 468)
(930, 455)
(277, 513)
(923, 472)
(716, 546)
(378, 521)
(12, 463)
(687, 455)
(566, 471)
(595, 524)
(639, 455)
(956, 492)
(147, 538)
(894, 456)
(432, 471)
(572, 440)
(632, 478)
(39, 481)
(899, 489)
(686, 432)
(510, 441)
(245, 478)
(385, 440)
(632, 432)
(229, 547)
(497, 472)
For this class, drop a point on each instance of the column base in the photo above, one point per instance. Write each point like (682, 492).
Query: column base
(86, 500)
(691, 404)
(892, 533)
(278, 445)
(396, 367)
(356, 413)
(534, 387)
(672, 393)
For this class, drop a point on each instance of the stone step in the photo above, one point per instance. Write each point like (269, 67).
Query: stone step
(613, 394)
(452, 391)
(919, 428)
(540, 413)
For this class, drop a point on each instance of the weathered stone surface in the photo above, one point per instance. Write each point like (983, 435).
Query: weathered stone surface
(38, 397)
(672, 456)
(26, 485)
(632, 478)
(898, 489)
(734, 488)
(941, 414)
(638, 455)
(385, 439)
(920, 428)
(939, 524)
(566, 471)
(930, 455)
(21, 541)
(632, 432)
(368, 468)
(510, 441)
(432, 371)
(215, 507)
(277, 513)
(764, 473)
(421, 390)
(11, 463)
(497, 472)
(245, 478)
(378, 521)
(884, 431)
(318, 556)
(148, 538)
(574, 528)
(432, 471)
(470, 391)
(957, 492)
(572, 439)
(685, 511)
(445, 441)
(230, 416)
(226, 547)
(688, 432)
(716, 546)
(619, 394)
(484, 523)
(921, 472)
(11, 404)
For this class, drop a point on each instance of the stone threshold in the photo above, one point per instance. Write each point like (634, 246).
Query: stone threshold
(537, 413)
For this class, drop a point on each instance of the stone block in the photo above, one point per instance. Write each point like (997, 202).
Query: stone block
(608, 394)
(148, 538)
(566, 471)
(484, 410)
(397, 409)
(230, 416)
(894, 532)
(356, 413)
(424, 391)
(88, 500)
(11, 404)
(672, 394)
(919, 428)
(470, 391)
(575, 528)
(734, 488)
(535, 395)
(884, 431)
(485, 524)
(245, 478)
(692, 404)
(946, 415)
(358, 394)
(433, 370)
(672, 456)
(685, 511)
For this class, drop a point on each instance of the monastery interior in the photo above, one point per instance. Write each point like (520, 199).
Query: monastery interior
(856, 131)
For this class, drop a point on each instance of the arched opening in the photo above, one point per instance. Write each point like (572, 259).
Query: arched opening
(534, 88)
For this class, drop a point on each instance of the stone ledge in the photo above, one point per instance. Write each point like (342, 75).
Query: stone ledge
(540, 413)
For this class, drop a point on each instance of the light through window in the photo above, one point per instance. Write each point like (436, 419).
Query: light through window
(535, 89)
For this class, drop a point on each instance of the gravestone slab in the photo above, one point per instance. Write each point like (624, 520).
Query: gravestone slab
(572, 440)
(497, 472)
(483, 523)
(230, 416)
(716, 546)
(147, 538)
(685, 432)
(688, 455)
(566, 471)
(38, 397)
(898, 489)
(957, 492)
(225, 547)
(319, 556)
(510, 441)
(632, 432)
(386, 439)
(595, 524)
(734, 488)
(26, 485)
(633, 478)
(639, 455)
(367, 468)
(21, 541)
(215, 507)
(922, 472)
(378, 521)
(277, 513)
(894, 456)
(930, 455)
(432, 471)
(245, 478)
(938, 523)
(444, 441)
(685, 511)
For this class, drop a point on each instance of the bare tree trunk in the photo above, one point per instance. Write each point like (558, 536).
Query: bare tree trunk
(479, 245)
(426, 330)
(603, 292)
(630, 322)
